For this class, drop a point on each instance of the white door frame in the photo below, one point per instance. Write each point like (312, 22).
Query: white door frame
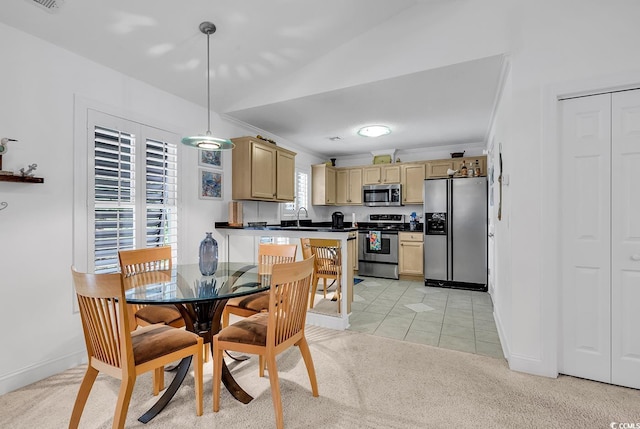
(551, 238)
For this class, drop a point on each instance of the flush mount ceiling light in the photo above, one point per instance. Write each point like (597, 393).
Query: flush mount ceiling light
(207, 141)
(374, 131)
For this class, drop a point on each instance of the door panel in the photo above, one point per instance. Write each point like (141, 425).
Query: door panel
(625, 245)
(469, 230)
(586, 238)
(436, 247)
(263, 167)
(435, 257)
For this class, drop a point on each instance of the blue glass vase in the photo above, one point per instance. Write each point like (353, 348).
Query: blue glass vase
(208, 255)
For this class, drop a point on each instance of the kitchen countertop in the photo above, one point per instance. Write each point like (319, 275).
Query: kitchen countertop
(304, 226)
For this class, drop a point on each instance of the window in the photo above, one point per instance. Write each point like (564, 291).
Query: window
(132, 189)
(302, 195)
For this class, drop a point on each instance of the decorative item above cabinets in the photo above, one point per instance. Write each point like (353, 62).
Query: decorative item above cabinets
(262, 171)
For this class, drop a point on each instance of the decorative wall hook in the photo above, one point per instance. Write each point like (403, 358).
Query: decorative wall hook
(3, 205)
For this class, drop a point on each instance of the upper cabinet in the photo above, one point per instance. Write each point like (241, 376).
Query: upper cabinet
(439, 167)
(413, 176)
(349, 186)
(262, 171)
(343, 185)
(381, 174)
(323, 185)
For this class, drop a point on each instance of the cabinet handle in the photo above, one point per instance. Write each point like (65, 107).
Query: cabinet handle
(635, 257)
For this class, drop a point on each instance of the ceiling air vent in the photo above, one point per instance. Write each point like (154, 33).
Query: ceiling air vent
(51, 6)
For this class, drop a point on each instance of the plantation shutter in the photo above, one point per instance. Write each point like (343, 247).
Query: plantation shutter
(114, 199)
(161, 194)
(135, 190)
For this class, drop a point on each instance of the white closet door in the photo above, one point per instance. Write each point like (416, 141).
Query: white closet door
(586, 239)
(625, 239)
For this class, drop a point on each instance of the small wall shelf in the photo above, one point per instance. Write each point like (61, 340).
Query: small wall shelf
(28, 179)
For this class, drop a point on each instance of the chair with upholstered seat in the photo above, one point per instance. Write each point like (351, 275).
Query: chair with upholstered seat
(148, 260)
(138, 261)
(268, 255)
(114, 349)
(328, 266)
(268, 334)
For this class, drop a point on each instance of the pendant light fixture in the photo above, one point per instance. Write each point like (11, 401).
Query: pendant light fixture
(207, 141)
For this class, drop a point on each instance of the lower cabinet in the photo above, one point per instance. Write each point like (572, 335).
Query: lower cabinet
(410, 253)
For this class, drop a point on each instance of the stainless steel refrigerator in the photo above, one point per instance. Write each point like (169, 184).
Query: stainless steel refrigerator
(455, 232)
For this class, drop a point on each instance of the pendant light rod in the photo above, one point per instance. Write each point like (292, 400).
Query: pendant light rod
(208, 28)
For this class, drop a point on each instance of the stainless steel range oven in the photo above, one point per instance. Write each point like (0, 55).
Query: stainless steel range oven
(378, 246)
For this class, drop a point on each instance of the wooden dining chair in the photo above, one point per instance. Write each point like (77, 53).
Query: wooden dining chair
(114, 349)
(268, 334)
(328, 266)
(305, 247)
(268, 255)
(138, 261)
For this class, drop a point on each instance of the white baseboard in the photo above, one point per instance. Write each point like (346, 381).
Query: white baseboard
(529, 365)
(326, 321)
(39, 371)
(502, 335)
(518, 362)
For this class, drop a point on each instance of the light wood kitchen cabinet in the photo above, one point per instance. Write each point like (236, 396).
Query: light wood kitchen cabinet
(413, 176)
(381, 174)
(323, 185)
(262, 171)
(349, 186)
(438, 168)
(285, 176)
(411, 253)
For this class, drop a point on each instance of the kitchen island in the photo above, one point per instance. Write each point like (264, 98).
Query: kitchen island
(243, 241)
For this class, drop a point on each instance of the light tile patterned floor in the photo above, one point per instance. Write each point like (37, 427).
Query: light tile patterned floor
(409, 311)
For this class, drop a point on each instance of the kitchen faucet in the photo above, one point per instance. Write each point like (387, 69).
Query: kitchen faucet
(298, 215)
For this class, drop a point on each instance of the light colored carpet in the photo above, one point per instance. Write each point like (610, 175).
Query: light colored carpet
(364, 381)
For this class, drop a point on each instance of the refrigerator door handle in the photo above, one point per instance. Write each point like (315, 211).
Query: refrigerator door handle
(449, 229)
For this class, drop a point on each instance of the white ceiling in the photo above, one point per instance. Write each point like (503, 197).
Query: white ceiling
(258, 44)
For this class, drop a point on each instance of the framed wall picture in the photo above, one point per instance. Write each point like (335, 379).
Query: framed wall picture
(210, 158)
(210, 186)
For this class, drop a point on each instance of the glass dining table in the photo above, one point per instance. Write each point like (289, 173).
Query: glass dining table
(200, 300)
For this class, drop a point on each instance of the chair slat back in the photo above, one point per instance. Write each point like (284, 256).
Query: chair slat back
(270, 254)
(328, 255)
(144, 260)
(305, 248)
(288, 299)
(104, 316)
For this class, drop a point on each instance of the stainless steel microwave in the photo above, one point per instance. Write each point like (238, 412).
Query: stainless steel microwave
(382, 195)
